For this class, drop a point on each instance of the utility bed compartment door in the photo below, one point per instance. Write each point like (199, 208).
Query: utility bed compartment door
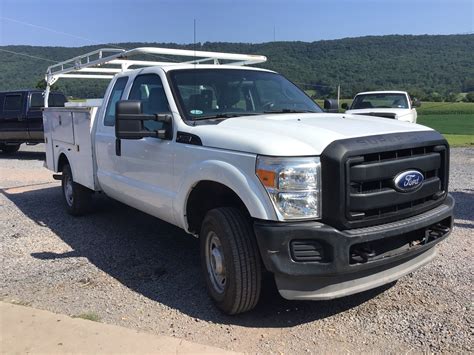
(63, 128)
(68, 131)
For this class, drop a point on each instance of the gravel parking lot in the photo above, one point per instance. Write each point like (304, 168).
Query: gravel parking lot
(127, 268)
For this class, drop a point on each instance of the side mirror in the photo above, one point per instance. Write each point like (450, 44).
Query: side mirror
(416, 103)
(331, 106)
(345, 106)
(130, 119)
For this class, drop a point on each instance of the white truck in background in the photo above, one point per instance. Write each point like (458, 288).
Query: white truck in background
(330, 204)
(387, 104)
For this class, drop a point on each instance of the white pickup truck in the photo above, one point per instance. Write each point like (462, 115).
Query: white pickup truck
(329, 204)
(387, 104)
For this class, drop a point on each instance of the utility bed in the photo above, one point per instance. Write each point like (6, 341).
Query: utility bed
(69, 129)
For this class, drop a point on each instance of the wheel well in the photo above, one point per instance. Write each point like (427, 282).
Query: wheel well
(207, 195)
(62, 161)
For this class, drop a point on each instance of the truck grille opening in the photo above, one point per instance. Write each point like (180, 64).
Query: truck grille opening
(389, 247)
(371, 193)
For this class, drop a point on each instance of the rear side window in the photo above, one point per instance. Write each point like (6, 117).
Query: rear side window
(54, 100)
(115, 96)
(12, 102)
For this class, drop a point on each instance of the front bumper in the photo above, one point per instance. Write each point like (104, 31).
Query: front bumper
(351, 260)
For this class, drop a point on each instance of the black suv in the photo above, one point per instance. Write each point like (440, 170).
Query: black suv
(21, 117)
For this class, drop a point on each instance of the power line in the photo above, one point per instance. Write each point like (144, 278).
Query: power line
(75, 36)
(28, 55)
(46, 28)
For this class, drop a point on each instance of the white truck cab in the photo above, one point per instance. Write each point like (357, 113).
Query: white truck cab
(330, 204)
(387, 104)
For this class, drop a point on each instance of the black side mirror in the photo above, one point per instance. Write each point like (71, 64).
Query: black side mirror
(331, 106)
(345, 106)
(130, 119)
(416, 103)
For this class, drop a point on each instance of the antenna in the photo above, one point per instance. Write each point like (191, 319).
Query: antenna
(194, 41)
(274, 30)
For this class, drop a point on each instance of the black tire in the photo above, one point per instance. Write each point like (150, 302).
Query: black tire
(9, 148)
(77, 198)
(240, 290)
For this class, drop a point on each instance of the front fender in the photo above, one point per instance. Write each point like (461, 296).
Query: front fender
(246, 186)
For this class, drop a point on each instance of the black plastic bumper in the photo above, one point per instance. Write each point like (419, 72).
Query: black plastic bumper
(349, 255)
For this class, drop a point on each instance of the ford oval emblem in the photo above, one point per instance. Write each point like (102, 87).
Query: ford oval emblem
(408, 181)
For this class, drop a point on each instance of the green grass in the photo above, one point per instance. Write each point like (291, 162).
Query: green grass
(455, 120)
(439, 108)
(449, 123)
(460, 140)
(89, 316)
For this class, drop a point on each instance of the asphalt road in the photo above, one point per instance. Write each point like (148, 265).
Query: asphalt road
(127, 268)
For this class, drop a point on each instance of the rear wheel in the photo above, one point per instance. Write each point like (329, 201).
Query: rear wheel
(76, 197)
(230, 260)
(9, 148)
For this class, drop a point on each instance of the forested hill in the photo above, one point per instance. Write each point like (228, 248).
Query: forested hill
(421, 64)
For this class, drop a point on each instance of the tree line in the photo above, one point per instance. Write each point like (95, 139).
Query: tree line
(435, 68)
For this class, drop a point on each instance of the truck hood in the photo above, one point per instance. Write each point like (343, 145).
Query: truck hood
(295, 134)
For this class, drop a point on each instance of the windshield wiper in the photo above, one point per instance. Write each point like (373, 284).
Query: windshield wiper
(289, 110)
(225, 115)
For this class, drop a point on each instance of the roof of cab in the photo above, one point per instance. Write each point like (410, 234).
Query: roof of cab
(382, 92)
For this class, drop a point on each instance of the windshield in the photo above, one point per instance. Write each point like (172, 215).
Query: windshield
(379, 101)
(221, 93)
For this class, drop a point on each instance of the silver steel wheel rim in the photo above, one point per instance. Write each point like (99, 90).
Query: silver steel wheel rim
(215, 262)
(68, 192)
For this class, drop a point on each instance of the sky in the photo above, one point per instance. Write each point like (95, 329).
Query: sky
(85, 22)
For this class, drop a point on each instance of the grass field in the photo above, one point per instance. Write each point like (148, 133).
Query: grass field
(455, 120)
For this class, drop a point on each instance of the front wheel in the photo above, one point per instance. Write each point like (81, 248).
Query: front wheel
(230, 260)
(76, 197)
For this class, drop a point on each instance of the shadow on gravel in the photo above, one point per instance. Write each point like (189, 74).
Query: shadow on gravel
(463, 208)
(24, 155)
(159, 261)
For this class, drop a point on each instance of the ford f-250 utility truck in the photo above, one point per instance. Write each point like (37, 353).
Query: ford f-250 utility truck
(330, 204)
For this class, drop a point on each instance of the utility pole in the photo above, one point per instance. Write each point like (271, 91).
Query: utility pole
(338, 94)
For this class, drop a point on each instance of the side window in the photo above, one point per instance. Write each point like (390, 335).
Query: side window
(149, 90)
(37, 100)
(12, 102)
(115, 96)
(54, 100)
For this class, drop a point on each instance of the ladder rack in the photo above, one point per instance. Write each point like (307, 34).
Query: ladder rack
(106, 62)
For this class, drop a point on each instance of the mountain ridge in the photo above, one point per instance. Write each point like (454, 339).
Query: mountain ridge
(422, 64)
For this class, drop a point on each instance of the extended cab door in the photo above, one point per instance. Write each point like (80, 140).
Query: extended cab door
(13, 125)
(35, 116)
(141, 174)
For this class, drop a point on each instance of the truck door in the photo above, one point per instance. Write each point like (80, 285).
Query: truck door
(13, 125)
(141, 176)
(35, 116)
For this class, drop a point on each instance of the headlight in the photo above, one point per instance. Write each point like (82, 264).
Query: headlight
(293, 185)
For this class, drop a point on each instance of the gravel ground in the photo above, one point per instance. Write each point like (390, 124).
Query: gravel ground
(133, 270)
